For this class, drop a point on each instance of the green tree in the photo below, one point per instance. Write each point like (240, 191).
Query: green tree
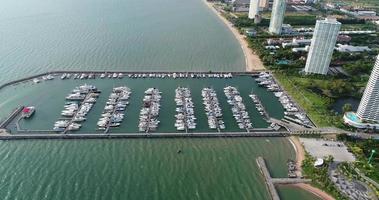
(347, 107)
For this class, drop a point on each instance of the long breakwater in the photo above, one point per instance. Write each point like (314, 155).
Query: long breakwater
(98, 72)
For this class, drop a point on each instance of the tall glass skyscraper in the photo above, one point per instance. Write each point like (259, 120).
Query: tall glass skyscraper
(277, 15)
(322, 46)
(368, 109)
(253, 9)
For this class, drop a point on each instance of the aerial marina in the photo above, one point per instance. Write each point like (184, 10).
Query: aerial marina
(194, 110)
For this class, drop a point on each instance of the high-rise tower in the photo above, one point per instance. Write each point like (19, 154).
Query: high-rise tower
(263, 4)
(368, 109)
(253, 9)
(322, 46)
(277, 15)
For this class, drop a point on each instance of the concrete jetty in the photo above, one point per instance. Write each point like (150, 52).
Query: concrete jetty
(11, 117)
(270, 182)
(46, 135)
(98, 72)
(266, 174)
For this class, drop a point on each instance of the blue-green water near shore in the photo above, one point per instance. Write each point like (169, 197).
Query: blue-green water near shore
(37, 36)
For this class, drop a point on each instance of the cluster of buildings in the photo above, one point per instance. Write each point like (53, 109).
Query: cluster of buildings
(320, 50)
(321, 47)
(301, 44)
(302, 2)
(359, 13)
(244, 5)
(319, 57)
(254, 7)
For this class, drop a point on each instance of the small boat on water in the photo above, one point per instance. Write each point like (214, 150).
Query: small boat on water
(49, 77)
(83, 76)
(28, 111)
(36, 80)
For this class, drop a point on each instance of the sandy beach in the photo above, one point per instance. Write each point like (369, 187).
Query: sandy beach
(300, 155)
(253, 63)
(321, 194)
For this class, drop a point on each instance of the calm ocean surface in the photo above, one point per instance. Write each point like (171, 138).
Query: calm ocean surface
(40, 35)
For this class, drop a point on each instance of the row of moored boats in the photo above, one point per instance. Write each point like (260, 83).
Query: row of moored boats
(114, 110)
(185, 115)
(292, 112)
(238, 108)
(148, 119)
(258, 104)
(80, 102)
(114, 75)
(44, 78)
(212, 109)
(82, 99)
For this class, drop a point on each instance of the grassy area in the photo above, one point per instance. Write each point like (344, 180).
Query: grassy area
(362, 151)
(316, 106)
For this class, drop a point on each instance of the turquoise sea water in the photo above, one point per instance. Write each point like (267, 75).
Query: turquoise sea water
(37, 36)
(40, 35)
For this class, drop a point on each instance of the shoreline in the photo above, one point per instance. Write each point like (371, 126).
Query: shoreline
(253, 62)
(300, 155)
(316, 191)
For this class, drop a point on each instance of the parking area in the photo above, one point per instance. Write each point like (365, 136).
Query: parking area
(320, 148)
